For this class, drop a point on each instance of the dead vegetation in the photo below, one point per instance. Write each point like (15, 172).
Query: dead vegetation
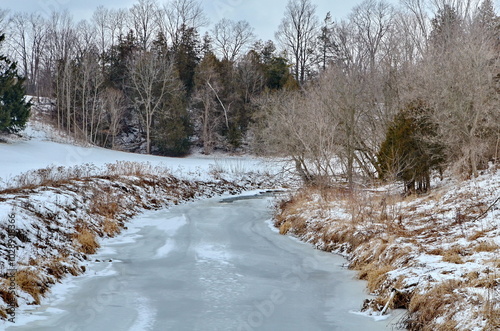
(417, 247)
(86, 240)
(57, 176)
(29, 281)
(438, 302)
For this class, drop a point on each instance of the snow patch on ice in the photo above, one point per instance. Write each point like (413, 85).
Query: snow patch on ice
(165, 249)
(146, 315)
(373, 315)
(270, 223)
(207, 253)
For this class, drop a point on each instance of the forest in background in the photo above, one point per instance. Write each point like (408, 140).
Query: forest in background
(392, 92)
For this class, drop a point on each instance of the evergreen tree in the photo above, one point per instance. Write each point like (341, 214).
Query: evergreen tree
(171, 125)
(278, 74)
(327, 48)
(186, 55)
(275, 68)
(445, 27)
(410, 150)
(14, 109)
(172, 128)
(118, 57)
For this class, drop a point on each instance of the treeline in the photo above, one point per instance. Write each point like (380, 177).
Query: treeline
(143, 78)
(390, 92)
(405, 91)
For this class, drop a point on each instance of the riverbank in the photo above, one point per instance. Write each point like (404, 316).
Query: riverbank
(55, 218)
(436, 255)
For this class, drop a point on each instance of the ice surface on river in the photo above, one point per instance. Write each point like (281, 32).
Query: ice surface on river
(206, 266)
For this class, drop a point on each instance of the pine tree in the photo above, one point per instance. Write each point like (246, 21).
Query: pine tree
(118, 57)
(172, 128)
(186, 55)
(14, 109)
(327, 48)
(278, 76)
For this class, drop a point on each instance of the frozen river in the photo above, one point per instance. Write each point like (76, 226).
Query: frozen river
(206, 266)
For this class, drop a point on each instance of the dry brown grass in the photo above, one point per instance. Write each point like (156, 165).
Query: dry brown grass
(60, 266)
(491, 312)
(30, 282)
(477, 235)
(110, 227)
(7, 296)
(375, 275)
(3, 313)
(486, 246)
(377, 233)
(287, 219)
(472, 276)
(56, 268)
(56, 176)
(297, 224)
(285, 227)
(105, 202)
(425, 307)
(452, 256)
(87, 242)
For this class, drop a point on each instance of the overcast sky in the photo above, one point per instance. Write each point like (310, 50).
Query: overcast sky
(263, 15)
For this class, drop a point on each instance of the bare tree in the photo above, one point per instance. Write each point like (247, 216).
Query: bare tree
(464, 8)
(372, 20)
(29, 41)
(297, 33)
(113, 102)
(250, 76)
(89, 84)
(230, 37)
(152, 79)
(3, 19)
(117, 22)
(100, 20)
(143, 17)
(61, 43)
(456, 77)
(416, 23)
(290, 132)
(178, 15)
(87, 38)
(206, 102)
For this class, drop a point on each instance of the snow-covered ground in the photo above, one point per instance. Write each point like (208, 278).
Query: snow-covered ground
(41, 145)
(38, 150)
(438, 254)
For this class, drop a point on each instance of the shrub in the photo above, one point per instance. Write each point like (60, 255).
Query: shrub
(410, 149)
